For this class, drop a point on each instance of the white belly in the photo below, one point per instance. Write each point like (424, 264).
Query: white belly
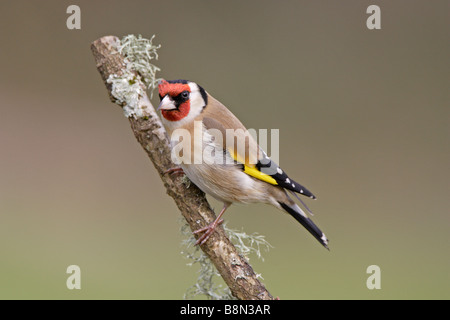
(215, 172)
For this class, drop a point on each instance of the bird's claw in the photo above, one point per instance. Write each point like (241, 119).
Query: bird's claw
(174, 170)
(208, 230)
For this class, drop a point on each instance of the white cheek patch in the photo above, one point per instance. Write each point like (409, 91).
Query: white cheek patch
(196, 99)
(196, 104)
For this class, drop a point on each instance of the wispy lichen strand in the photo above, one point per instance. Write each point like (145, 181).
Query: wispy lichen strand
(248, 243)
(139, 52)
(207, 273)
(127, 88)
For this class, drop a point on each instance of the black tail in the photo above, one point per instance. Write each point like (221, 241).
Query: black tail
(301, 217)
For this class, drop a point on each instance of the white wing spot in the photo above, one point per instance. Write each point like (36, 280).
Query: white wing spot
(287, 180)
(301, 190)
(293, 185)
(279, 170)
(324, 238)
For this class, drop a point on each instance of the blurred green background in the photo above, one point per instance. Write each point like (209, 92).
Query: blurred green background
(363, 118)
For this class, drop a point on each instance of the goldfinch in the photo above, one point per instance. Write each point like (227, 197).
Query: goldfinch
(219, 156)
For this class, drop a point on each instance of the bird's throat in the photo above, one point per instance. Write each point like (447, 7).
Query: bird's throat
(177, 114)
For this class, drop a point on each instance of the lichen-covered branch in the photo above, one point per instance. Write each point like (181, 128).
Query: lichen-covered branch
(148, 130)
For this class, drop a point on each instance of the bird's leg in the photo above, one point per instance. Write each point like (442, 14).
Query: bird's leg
(174, 170)
(209, 229)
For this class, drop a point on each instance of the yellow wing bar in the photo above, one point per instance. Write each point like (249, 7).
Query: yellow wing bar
(251, 169)
(254, 172)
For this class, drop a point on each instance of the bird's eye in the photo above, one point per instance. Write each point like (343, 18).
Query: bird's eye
(185, 95)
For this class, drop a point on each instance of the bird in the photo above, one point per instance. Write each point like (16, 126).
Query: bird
(214, 150)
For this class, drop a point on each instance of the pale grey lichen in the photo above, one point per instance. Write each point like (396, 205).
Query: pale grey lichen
(248, 244)
(138, 53)
(206, 284)
(128, 93)
(128, 87)
(186, 181)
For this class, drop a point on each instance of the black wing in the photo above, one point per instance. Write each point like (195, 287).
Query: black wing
(269, 167)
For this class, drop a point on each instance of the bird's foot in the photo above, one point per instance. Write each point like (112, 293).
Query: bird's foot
(174, 170)
(208, 230)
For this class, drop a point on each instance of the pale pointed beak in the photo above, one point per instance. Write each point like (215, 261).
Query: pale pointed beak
(167, 104)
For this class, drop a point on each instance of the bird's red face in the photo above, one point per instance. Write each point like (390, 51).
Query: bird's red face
(175, 99)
